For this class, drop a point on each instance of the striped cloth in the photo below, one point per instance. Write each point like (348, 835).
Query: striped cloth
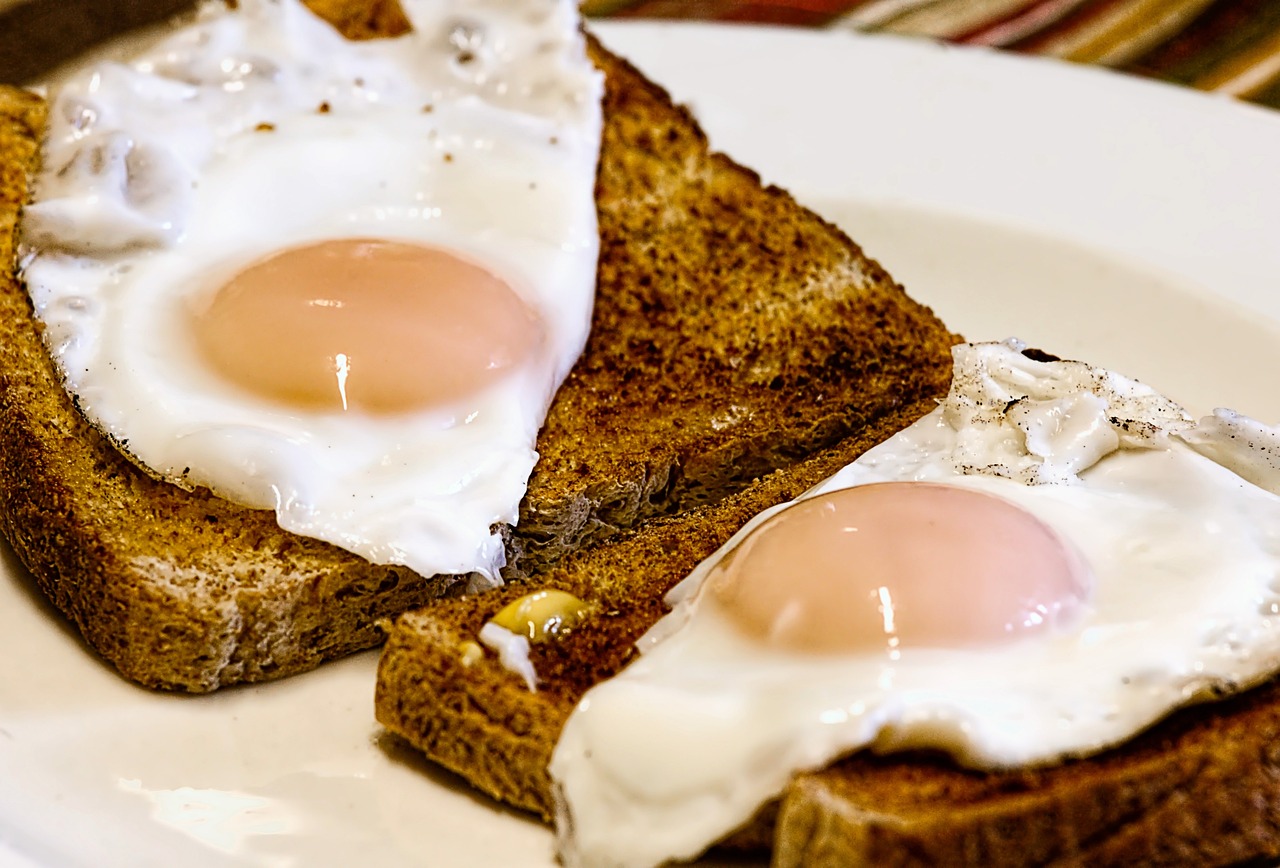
(1227, 46)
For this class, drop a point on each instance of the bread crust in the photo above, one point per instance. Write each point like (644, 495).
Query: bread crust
(1201, 787)
(721, 348)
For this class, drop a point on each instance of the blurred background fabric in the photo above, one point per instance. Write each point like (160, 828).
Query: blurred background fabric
(1225, 46)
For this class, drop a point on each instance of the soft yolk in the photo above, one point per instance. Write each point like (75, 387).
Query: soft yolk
(383, 326)
(897, 564)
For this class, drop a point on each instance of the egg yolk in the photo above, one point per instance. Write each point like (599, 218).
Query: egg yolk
(891, 565)
(383, 326)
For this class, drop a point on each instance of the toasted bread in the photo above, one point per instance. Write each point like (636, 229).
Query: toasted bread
(1198, 788)
(37, 34)
(733, 333)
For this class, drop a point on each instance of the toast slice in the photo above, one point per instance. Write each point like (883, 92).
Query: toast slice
(1198, 788)
(734, 332)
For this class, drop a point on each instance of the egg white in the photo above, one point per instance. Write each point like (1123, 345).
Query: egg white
(706, 724)
(260, 129)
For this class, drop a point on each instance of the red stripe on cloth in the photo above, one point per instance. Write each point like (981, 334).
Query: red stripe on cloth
(1085, 13)
(1020, 25)
(808, 13)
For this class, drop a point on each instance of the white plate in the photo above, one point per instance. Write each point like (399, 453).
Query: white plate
(1097, 216)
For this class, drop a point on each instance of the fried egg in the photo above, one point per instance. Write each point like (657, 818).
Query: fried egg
(1051, 561)
(339, 280)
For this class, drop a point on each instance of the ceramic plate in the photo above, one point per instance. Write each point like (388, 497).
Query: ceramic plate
(1096, 216)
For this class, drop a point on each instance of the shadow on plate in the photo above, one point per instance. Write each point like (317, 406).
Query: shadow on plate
(400, 751)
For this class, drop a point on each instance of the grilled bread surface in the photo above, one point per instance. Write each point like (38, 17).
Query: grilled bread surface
(1200, 788)
(734, 333)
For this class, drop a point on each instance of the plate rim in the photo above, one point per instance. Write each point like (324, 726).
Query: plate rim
(659, 32)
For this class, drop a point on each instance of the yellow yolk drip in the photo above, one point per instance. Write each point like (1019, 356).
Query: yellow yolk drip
(891, 565)
(382, 326)
(542, 614)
